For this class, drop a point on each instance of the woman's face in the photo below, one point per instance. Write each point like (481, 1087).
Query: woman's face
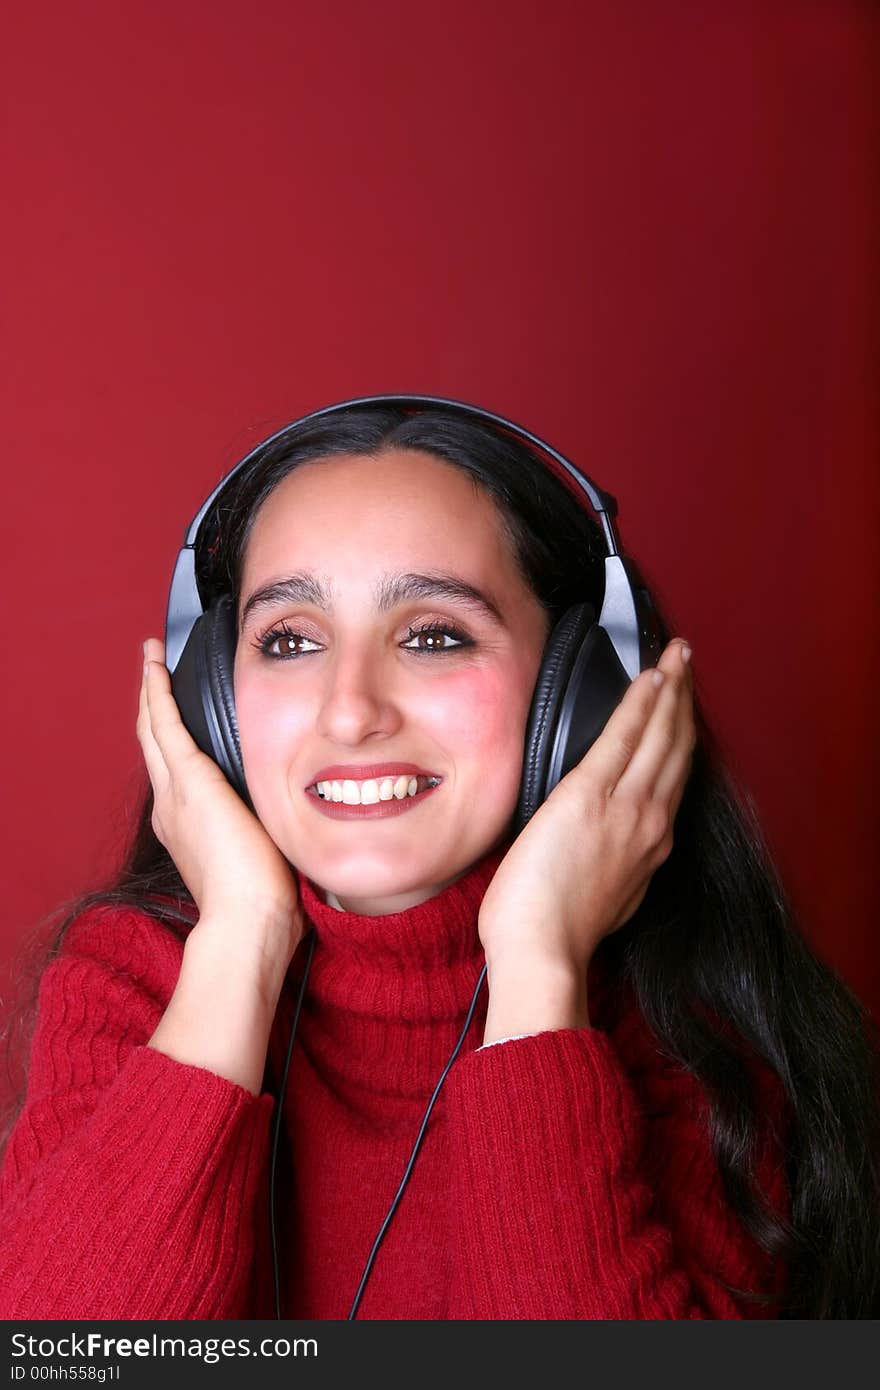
(355, 688)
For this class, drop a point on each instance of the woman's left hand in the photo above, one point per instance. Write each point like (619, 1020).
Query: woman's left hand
(582, 864)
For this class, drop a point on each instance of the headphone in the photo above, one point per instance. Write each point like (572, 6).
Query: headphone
(587, 665)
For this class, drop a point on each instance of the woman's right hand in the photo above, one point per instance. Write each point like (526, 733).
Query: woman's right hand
(233, 869)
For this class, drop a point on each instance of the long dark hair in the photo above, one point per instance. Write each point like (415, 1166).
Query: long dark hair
(714, 938)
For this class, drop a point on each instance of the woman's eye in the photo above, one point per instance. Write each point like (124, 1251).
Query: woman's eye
(437, 633)
(282, 636)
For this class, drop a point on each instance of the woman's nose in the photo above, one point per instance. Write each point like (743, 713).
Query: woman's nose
(357, 699)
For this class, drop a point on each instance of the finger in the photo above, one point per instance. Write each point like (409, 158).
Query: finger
(155, 763)
(174, 740)
(673, 776)
(663, 734)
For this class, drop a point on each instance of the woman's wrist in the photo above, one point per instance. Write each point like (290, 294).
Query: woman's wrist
(529, 995)
(221, 1012)
(256, 952)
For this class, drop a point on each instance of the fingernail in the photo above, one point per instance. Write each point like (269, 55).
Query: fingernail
(685, 654)
(658, 678)
(145, 647)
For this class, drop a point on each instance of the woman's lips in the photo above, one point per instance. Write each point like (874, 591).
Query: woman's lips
(361, 772)
(339, 810)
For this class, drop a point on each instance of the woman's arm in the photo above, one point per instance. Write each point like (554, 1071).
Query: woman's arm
(130, 1183)
(585, 1186)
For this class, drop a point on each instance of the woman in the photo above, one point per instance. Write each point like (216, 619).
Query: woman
(665, 1106)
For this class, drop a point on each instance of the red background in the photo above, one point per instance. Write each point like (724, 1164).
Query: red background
(647, 232)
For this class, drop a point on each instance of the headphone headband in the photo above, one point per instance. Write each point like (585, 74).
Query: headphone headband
(603, 503)
(618, 617)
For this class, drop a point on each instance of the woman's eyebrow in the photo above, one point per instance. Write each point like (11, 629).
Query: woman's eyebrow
(392, 589)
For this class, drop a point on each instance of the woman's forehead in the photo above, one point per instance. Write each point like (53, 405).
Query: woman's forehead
(404, 501)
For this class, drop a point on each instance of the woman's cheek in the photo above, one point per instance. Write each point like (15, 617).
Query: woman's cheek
(481, 713)
(270, 730)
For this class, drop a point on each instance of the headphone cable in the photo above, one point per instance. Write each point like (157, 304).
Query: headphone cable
(412, 1158)
(278, 1116)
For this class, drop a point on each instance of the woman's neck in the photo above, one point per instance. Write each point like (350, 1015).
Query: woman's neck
(383, 907)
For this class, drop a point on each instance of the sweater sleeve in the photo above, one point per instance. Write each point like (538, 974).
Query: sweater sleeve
(130, 1180)
(585, 1189)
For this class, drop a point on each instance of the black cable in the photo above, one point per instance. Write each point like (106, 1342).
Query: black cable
(279, 1110)
(412, 1158)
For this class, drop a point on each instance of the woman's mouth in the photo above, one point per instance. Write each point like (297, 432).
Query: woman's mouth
(372, 800)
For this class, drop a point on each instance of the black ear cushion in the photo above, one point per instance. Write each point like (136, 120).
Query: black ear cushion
(580, 682)
(219, 642)
(560, 652)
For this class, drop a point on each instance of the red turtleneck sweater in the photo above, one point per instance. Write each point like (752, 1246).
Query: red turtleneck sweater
(567, 1174)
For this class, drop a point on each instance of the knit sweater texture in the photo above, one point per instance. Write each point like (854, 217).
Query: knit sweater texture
(566, 1174)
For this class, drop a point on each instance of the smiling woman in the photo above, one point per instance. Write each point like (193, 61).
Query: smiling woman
(663, 1105)
(367, 659)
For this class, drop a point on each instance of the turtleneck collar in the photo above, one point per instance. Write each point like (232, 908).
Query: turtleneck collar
(386, 997)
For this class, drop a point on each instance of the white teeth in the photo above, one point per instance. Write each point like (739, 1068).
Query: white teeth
(374, 789)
